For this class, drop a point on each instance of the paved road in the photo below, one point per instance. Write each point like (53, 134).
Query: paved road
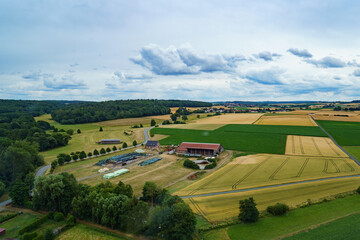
(43, 169)
(266, 187)
(351, 156)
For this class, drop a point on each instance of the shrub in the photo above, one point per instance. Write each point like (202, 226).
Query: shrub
(75, 157)
(70, 220)
(48, 234)
(124, 145)
(96, 152)
(278, 209)
(101, 129)
(89, 154)
(134, 143)
(29, 236)
(102, 151)
(78, 131)
(211, 166)
(4, 218)
(152, 123)
(358, 190)
(58, 216)
(248, 211)
(190, 164)
(114, 148)
(70, 131)
(141, 125)
(82, 155)
(108, 149)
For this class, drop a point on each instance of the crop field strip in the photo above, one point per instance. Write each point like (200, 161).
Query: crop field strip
(224, 207)
(312, 146)
(285, 119)
(262, 170)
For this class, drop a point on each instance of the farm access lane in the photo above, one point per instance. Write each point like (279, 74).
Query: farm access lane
(43, 169)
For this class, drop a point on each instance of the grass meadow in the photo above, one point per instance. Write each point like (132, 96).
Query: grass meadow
(345, 133)
(344, 228)
(13, 225)
(301, 219)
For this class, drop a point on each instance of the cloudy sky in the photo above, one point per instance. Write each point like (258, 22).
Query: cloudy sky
(202, 50)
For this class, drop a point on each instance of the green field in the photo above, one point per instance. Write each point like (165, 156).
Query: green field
(81, 231)
(345, 133)
(13, 225)
(353, 150)
(344, 228)
(298, 220)
(242, 137)
(90, 134)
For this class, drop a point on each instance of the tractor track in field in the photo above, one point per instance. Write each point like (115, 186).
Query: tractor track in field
(272, 177)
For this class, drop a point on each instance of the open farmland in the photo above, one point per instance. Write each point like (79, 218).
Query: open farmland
(195, 126)
(345, 133)
(265, 169)
(90, 134)
(290, 120)
(312, 146)
(231, 118)
(337, 116)
(242, 137)
(133, 121)
(226, 206)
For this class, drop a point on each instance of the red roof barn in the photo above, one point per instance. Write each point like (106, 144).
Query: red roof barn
(206, 149)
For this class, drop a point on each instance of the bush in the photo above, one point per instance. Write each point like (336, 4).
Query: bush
(82, 155)
(134, 143)
(358, 190)
(210, 166)
(108, 149)
(101, 129)
(89, 154)
(58, 216)
(278, 209)
(124, 145)
(78, 131)
(114, 148)
(152, 123)
(70, 131)
(29, 236)
(190, 164)
(102, 151)
(96, 152)
(75, 157)
(48, 234)
(70, 220)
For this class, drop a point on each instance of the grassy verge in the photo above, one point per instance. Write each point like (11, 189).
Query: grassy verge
(15, 224)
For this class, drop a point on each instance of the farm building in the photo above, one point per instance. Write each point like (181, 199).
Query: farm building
(110, 141)
(206, 149)
(152, 144)
(2, 231)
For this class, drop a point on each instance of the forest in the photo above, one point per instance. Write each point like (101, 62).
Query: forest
(101, 111)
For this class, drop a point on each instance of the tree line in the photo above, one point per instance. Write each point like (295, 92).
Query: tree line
(156, 213)
(101, 111)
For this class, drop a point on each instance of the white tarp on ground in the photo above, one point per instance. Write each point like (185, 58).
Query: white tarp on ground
(116, 173)
(103, 170)
(139, 151)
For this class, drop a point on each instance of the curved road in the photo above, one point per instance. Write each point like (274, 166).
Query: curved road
(43, 169)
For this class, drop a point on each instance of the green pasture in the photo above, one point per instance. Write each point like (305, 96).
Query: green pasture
(242, 137)
(343, 228)
(353, 150)
(345, 133)
(303, 218)
(13, 225)
(81, 231)
(90, 134)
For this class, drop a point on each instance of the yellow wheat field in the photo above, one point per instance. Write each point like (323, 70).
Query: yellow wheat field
(231, 118)
(226, 207)
(291, 120)
(312, 146)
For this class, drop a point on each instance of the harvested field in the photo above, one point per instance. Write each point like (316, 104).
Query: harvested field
(312, 146)
(291, 120)
(347, 117)
(299, 112)
(133, 121)
(265, 169)
(225, 207)
(197, 126)
(231, 118)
